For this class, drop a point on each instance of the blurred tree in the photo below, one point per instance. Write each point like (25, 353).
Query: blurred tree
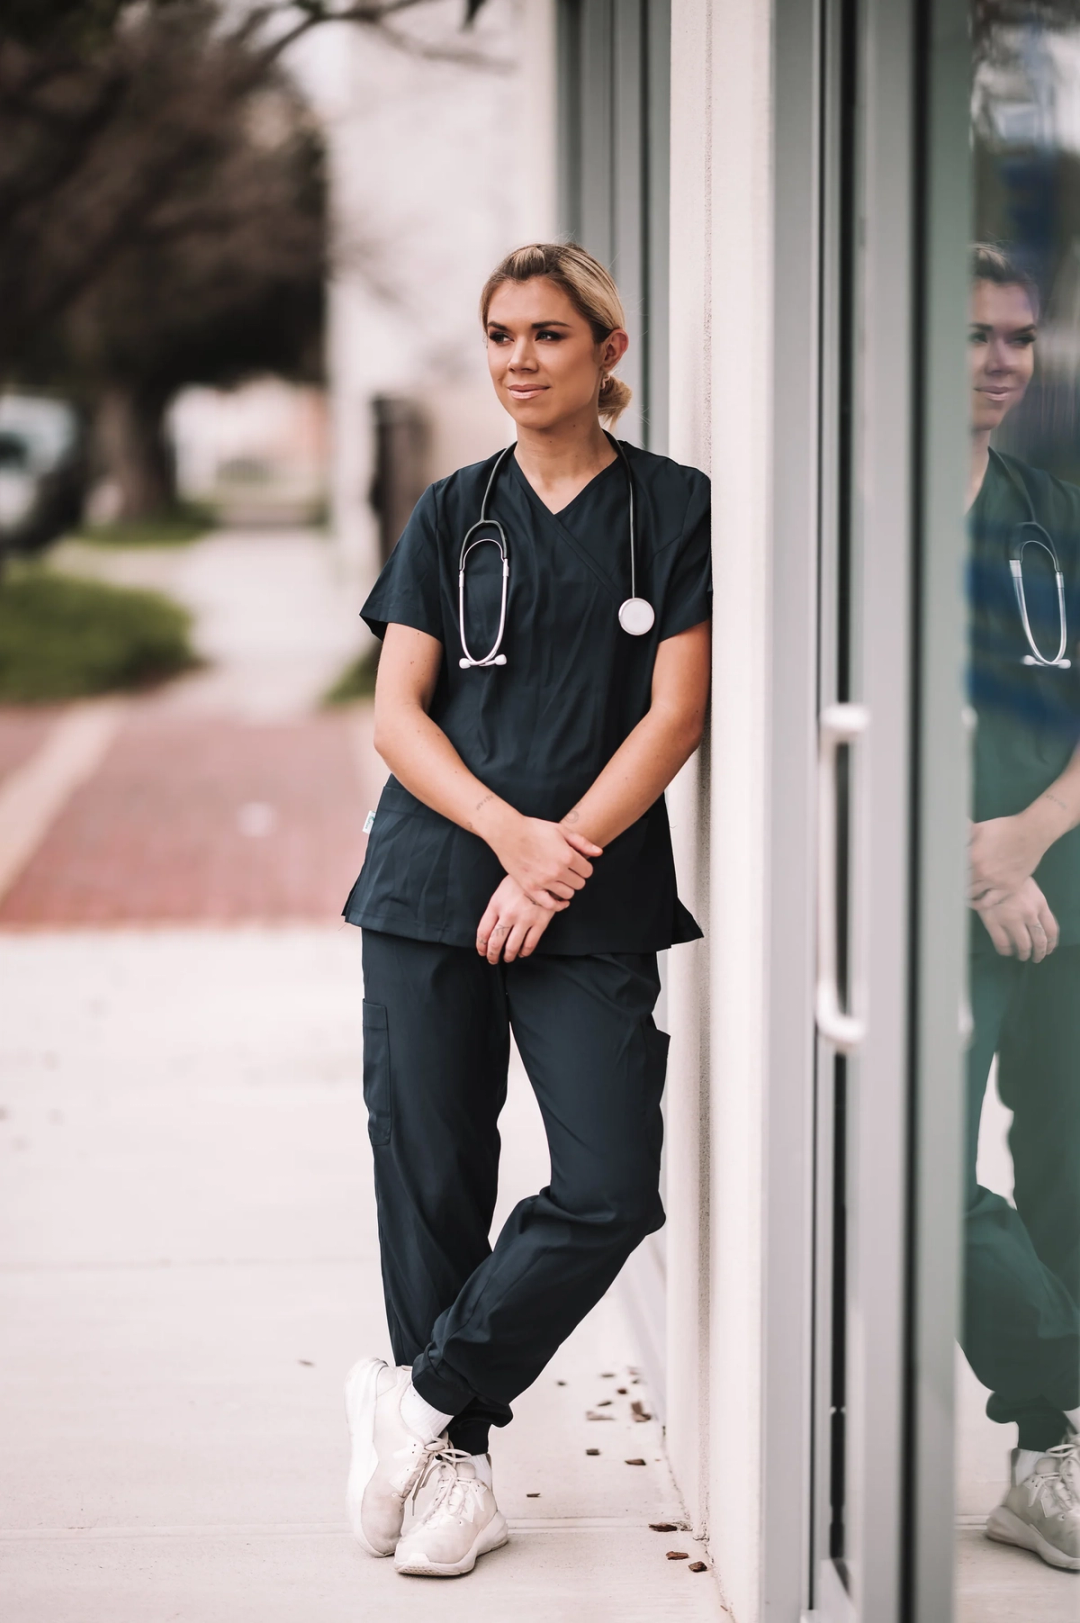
(162, 217)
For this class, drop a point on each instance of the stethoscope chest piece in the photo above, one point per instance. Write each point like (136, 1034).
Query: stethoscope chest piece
(636, 616)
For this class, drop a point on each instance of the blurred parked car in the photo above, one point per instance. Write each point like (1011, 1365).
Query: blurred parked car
(42, 470)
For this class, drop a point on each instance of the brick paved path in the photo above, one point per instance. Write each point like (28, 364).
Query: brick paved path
(200, 820)
(22, 732)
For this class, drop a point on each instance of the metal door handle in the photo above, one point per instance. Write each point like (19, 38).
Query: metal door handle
(838, 724)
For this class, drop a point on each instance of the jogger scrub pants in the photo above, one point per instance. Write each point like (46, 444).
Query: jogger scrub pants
(476, 1324)
(1022, 1264)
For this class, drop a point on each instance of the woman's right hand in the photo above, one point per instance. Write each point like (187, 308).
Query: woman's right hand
(1021, 925)
(549, 862)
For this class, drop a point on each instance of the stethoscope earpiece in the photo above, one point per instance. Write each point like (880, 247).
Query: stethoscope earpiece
(636, 615)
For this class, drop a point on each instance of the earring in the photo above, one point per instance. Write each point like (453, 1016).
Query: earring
(603, 382)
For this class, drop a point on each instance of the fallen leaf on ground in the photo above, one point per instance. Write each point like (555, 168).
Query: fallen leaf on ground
(639, 1411)
(635, 1462)
(663, 1527)
(697, 1566)
(604, 1403)
(532, 1496)
(591, 1414)
(592, 1451)
(677, 1555)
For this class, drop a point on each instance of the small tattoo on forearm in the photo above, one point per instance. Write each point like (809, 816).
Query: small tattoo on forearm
(480, 804)
(1048, 796)
(573, 815)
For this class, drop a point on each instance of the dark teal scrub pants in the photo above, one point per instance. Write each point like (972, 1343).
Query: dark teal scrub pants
(476, 1324)
(1022, 1264)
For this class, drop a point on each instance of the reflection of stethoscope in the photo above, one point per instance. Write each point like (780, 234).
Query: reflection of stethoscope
(635, 615)
(1031, 534)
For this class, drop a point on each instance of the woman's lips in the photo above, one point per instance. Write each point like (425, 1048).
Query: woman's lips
(525, 391)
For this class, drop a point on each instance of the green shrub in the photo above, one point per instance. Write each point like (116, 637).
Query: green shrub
(186, 522)
(357, 681)
(65, 638)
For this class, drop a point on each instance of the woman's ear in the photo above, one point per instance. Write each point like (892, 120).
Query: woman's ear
(614, 347)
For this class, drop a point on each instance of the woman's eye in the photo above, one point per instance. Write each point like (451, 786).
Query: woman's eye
(554, 336)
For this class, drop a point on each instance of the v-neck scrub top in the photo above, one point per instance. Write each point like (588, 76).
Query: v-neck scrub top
(1028, 716)
(540, 729)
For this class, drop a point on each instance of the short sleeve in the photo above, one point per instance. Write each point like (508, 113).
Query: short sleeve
(407, 590)
(684, 567)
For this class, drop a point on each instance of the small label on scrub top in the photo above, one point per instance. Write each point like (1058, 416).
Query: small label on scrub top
(368, 821)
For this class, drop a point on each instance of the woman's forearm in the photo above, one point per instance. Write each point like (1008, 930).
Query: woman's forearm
(636, 776)
(421, 757)
(1057, 809)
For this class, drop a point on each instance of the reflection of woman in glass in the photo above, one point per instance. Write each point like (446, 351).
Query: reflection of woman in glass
(1021, 1325)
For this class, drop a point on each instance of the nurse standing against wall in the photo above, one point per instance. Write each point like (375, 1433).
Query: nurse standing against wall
(519, 879)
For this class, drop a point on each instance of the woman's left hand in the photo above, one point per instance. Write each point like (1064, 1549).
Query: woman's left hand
(512, 924)
(1004, 852)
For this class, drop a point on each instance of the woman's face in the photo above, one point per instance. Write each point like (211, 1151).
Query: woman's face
(1001, 350)
(544, 362)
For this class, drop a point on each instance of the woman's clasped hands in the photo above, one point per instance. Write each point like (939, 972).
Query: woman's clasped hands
(1011, 905)
(546, 865)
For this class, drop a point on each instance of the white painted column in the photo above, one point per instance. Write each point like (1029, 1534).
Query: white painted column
(690, 435)
(721, 362)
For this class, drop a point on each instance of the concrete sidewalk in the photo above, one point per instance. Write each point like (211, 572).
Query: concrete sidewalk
(189, 1266)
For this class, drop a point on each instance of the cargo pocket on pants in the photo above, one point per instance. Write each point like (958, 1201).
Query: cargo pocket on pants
(377, 1095)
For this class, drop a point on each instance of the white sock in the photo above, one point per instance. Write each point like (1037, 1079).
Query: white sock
(420, 1417)
(1026, 1461)
(482, 1466)
(1073, 1417)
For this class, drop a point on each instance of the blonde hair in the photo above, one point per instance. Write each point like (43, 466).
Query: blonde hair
(589, 288)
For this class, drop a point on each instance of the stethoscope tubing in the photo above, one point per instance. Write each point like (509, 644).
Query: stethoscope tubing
(471, 540)
(493, 656)
(1040, 538)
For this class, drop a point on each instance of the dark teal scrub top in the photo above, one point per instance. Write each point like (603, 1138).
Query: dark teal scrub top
(539, 729)
(1028, 716)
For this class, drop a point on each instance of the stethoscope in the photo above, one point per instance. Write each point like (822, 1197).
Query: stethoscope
(636, 615)
(1031, 534)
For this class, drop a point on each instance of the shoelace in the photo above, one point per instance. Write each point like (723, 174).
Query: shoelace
(1064, 1484)
(452, 1487)
(424, 1464)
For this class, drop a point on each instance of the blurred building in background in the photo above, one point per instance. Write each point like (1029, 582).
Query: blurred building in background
(438, 165)
(257, 454)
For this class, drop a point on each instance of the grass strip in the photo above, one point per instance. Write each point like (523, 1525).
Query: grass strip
(66, 638)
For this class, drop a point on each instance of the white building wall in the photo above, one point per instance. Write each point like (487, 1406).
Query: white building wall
(721, 303)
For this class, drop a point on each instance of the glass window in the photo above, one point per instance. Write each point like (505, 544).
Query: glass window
(1019, 1380)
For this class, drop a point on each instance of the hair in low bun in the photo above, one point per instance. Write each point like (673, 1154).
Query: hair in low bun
(615, 396)
(588, 286)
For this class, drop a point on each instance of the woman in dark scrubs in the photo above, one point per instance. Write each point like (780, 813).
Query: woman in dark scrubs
(519, 879)
(1022, 1262)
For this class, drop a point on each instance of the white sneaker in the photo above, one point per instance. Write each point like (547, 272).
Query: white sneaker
(1042, 1513)
(388, 1459)
(461, 1522)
